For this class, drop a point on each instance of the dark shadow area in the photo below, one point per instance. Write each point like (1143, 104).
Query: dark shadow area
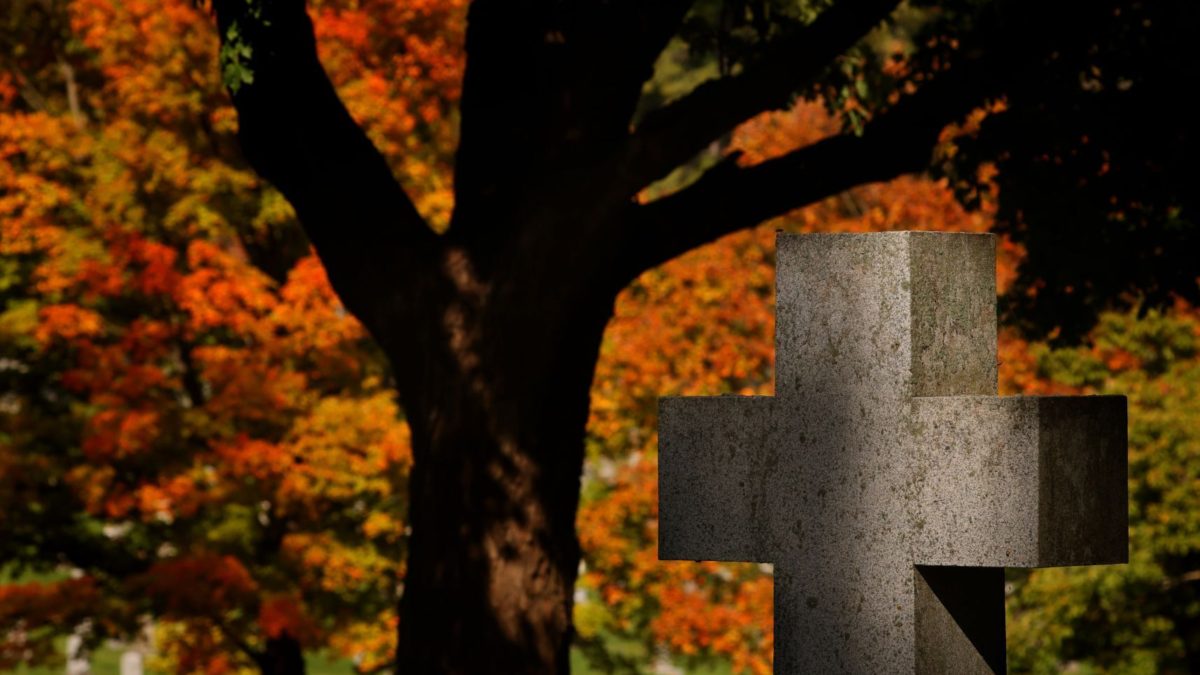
(960, 619)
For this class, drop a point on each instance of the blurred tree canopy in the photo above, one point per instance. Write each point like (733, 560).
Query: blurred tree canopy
(196, 439)
(1143, 617)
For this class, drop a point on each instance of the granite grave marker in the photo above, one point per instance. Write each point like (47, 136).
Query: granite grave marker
(886, 481)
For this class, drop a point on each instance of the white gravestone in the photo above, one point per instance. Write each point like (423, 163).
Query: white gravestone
(886, 480)
(77, 656)
(131, 662)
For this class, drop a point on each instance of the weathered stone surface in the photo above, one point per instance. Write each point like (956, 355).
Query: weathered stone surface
(1021, 481)
(884, 449)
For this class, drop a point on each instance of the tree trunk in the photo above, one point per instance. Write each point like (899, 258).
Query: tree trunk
(498, 412)
(493, 327)
(283, 656)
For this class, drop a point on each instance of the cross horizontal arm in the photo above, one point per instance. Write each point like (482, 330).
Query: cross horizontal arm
(714, 454)
(1021, 481)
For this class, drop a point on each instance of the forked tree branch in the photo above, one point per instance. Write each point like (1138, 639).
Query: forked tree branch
(673, 134)
(1003, 54)
(296, 133)
(729, 198)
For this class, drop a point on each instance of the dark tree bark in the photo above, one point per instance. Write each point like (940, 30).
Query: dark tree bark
(493, 328)
(283, 656)
(497, 416)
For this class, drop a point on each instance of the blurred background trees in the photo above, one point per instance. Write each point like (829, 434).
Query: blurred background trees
(193, 431)
(199, 444)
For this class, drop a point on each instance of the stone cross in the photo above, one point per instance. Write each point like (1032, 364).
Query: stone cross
(886, 480)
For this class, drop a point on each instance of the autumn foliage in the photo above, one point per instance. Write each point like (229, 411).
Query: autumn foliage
(196, 437)
(226, 443)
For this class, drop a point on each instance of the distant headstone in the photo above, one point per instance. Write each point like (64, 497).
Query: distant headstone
(131, 662)
(77, 656)
(886, 481)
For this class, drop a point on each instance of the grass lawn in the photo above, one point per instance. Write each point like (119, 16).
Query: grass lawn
(107, 661)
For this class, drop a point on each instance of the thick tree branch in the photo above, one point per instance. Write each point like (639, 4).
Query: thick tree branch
(549, 87)
(1003, 54)
(297, 134)
(730, 198)
(673, 134)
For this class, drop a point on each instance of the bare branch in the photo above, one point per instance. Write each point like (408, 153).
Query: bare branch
(68, 74)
